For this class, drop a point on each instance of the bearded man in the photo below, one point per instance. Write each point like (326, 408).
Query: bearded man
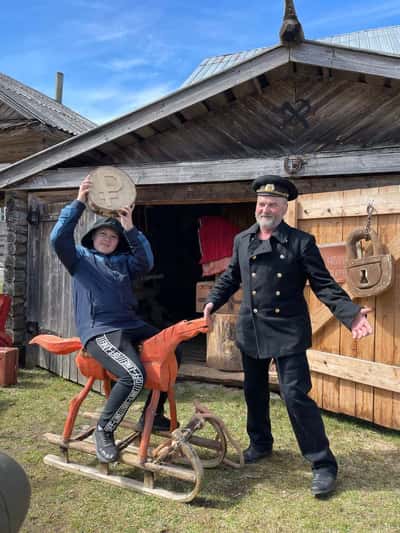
(273, 261)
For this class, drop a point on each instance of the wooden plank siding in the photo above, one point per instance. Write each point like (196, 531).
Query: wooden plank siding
(18, 142)
(386, 317)
(367, 400)
(50, 297)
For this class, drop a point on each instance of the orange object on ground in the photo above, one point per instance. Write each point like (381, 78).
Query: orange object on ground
(157, 356)
(8, 366)
(5, 304)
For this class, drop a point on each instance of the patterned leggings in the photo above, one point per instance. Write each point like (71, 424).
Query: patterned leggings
(116, 352)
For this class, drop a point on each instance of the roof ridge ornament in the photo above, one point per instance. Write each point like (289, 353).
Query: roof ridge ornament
(291, 30)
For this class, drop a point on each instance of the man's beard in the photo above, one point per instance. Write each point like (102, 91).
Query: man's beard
(268, 222)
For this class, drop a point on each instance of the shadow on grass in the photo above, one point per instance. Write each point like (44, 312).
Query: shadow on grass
(31, 384)
(223, 488)
(373, 470)
(6, 404)
(285, 471)
(35, 379)
(354, 422)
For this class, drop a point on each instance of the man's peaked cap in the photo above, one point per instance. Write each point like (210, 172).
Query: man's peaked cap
(275, 186)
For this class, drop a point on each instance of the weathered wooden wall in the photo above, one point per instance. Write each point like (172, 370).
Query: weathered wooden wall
(49, 296)
(21, 137)
(3, 236)
(370, 391)
(20, 141)
(302, 111)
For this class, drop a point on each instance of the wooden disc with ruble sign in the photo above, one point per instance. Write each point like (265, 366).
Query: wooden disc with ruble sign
(111, 189)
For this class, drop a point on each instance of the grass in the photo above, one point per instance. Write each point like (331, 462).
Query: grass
(271, 496)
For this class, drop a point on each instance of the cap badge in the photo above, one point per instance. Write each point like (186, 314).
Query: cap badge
(269, 187)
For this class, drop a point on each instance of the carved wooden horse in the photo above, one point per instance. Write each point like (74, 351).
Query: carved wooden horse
(158, 357)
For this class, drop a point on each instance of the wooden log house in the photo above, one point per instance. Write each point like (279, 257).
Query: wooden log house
(30, 121)
(323, 114)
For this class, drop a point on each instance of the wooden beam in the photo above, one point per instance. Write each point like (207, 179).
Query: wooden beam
(174, 102)
(379, 375)
(322, 315)
(351, 162)
(344, 58)
(326, 164)
(195, 193)
(185, 194)
(385, 203)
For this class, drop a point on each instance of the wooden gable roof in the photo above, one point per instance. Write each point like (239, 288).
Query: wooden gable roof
(231, 115)
(18, 101)
(384, 40)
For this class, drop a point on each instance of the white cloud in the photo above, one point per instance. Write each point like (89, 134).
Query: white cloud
(107, 104)
(119, 25)
(97, 32)
(119, 65)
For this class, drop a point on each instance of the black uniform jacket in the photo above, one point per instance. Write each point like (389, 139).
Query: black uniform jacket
(273, 319)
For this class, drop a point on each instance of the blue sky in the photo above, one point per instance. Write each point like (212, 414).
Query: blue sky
(118, 55)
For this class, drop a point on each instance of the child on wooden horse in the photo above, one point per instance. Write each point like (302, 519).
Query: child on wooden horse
(111, 255)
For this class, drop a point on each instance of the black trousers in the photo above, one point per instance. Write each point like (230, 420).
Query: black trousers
(116, 352)
(304, 414)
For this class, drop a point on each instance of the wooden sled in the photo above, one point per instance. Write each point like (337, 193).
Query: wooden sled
(175, 458)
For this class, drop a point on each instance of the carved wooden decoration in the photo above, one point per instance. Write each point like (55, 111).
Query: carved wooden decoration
(291, 30)
(368, 275)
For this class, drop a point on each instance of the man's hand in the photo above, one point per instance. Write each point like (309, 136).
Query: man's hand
(125, 216)
(207, 315)
(360, 326)
(84, 189)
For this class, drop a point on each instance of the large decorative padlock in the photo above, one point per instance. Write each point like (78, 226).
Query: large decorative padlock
(368, 275)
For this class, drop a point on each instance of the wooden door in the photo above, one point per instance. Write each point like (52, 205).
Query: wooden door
(49, 298)
(358, 378)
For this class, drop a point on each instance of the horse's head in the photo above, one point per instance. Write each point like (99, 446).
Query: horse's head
(160, 345)
(185, 330)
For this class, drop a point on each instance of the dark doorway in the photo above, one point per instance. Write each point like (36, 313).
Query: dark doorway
(173, 233)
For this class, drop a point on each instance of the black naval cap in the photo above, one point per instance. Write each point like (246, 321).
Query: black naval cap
(275, 186)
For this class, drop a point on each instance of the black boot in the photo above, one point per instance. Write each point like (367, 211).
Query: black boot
(252, 454)
(161, 422)
(323, 482)
(106, 451)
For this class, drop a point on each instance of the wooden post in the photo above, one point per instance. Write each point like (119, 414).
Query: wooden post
(222, 352)
(59, 86)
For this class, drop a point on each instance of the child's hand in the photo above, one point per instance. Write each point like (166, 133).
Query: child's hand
(125, 216)
(84, 188)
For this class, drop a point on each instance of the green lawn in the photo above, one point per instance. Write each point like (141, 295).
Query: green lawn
(272, 496)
